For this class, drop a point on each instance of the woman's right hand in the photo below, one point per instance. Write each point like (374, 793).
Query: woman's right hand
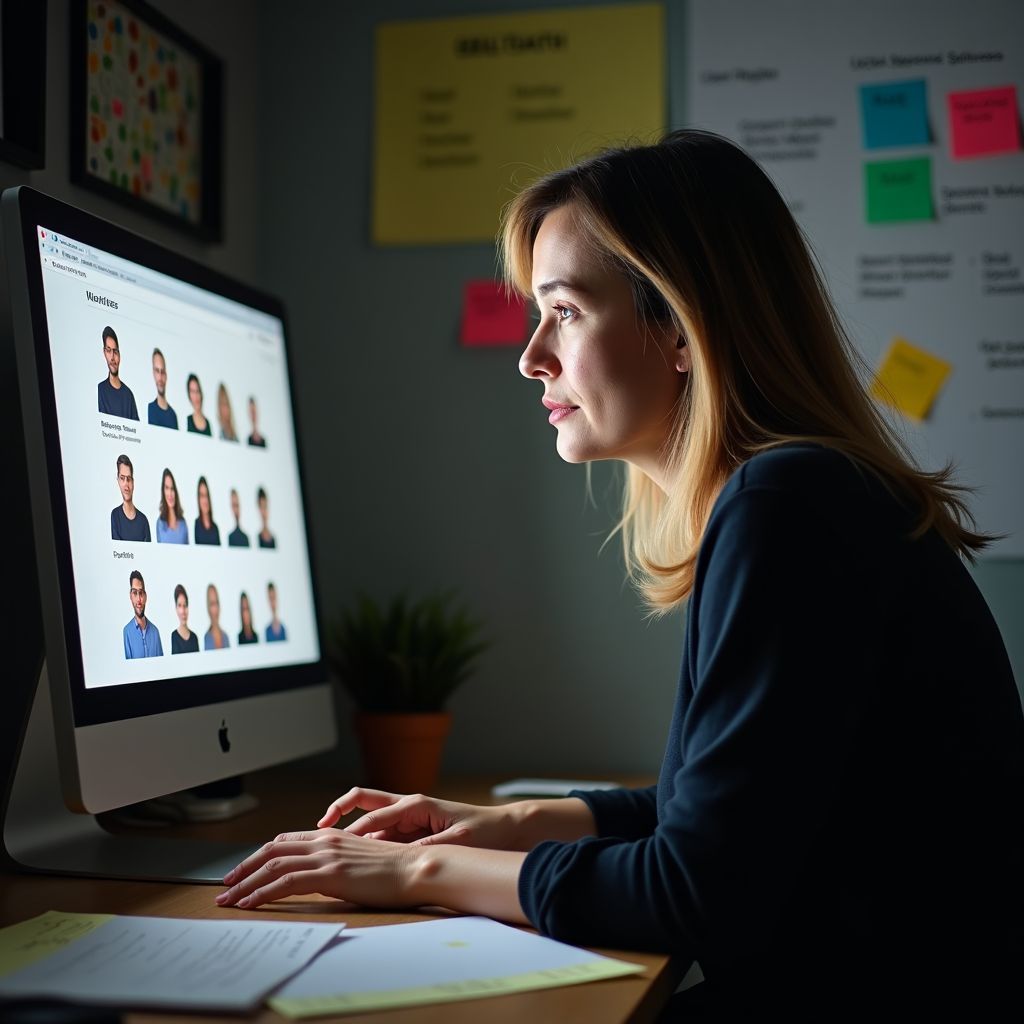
(424, 820)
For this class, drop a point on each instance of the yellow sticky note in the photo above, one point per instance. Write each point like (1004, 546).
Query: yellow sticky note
(452, 991)
(470, 109)
(909, 379)
(28, 941)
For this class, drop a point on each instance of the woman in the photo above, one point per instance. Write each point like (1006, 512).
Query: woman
(215, 639)
(197, 422)
(206, 530)
(246, 635)
(171, 527)
(837, 822)
(225, 415)
(183, 640)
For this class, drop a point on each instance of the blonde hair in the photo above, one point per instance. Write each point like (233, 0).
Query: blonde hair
(710, 247)
(225, 414)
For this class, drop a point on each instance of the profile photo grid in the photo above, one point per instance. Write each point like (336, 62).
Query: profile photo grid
(182, 486)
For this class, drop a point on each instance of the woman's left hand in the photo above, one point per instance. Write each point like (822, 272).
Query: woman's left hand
(326, 861)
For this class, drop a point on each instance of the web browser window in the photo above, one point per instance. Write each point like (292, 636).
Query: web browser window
(184, 508)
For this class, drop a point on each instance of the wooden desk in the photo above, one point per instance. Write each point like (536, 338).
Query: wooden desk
(289, 801)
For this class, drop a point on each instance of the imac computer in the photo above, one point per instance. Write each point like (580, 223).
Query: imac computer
(176, 582)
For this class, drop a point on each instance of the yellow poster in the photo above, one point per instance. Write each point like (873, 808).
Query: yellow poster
(471, 109)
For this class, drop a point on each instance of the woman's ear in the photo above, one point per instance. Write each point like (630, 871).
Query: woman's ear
(683, 360)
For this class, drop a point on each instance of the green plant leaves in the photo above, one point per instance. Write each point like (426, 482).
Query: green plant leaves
(405, 656)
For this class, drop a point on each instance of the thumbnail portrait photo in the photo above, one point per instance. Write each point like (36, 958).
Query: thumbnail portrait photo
(159, 411)
(114, 397)
(215, 639)
(126, 521)
(171, 527)
(141, 637)
(197, 422)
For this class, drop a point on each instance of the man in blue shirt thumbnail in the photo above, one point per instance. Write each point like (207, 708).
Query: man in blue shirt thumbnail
(115, 397)
(160, 412)
(141, 637)
(126, 521)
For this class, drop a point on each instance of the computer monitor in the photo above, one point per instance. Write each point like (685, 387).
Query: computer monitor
(171, 536)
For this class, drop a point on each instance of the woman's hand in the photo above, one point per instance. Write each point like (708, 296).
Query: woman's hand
(378, 874)
(331, 862)
(424, 821)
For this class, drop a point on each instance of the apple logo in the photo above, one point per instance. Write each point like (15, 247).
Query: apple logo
(222, 735)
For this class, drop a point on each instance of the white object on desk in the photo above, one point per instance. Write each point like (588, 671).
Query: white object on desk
(436, 962)
(154, 962)
(546, 787)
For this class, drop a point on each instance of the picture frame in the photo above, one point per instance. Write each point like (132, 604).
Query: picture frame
(23, 83)
(146, 114)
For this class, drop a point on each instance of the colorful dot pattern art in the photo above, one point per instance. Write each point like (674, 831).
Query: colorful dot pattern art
(143, 122)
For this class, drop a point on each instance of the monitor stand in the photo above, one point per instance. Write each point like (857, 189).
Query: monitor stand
(41, 834)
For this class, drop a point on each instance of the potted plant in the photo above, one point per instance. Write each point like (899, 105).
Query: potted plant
(401, 662)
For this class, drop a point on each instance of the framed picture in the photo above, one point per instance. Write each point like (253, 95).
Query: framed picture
(146, 114)
(23, 82)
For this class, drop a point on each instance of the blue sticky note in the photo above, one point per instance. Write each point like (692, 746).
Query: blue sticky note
(895, 114)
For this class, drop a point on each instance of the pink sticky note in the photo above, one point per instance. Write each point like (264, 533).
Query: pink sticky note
(984, 122)
(490, 316)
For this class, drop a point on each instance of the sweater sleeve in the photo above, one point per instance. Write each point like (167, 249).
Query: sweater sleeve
(774, 651)
(625, 813)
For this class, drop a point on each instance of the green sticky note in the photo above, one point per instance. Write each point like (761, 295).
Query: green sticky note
(898, 190)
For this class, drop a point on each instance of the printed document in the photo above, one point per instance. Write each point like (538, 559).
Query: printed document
(166, 963)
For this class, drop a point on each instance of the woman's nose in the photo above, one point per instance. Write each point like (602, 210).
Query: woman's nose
(538, 360)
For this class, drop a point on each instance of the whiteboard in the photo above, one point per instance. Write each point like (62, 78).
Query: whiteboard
(796, 82)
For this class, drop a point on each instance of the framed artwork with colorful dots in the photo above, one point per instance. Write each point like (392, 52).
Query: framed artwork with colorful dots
(146, 114)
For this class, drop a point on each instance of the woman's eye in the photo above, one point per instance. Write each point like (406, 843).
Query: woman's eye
(564, 313)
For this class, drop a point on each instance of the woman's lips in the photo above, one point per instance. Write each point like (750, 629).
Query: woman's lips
(559, 410)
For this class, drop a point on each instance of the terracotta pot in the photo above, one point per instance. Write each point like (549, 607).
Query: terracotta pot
(402, 752)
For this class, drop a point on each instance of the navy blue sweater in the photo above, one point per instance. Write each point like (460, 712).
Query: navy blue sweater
(840, 800)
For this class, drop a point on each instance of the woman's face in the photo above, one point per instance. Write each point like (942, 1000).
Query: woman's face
(611, 382)
(170, 494)
(223, 407)
(181, 607)
(203, 496)
(195, 394)
(213, 606)
(246, 615)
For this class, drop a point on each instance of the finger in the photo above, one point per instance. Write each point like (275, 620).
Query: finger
(357, 797)
(276, 867)
(454, 836)
(398, 835)
(293, 883)
(389, 817)
(281, 846)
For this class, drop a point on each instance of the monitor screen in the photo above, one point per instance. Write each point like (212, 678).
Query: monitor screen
(188, 548)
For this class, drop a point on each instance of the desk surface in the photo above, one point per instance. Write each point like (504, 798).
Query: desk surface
(288, 800)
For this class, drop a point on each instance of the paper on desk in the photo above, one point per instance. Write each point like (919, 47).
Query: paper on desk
(154, 961)
(433, 962)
